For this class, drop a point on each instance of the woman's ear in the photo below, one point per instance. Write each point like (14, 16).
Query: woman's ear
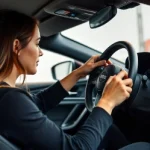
(16, 46)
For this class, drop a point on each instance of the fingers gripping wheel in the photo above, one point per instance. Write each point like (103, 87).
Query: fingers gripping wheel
(100, 75)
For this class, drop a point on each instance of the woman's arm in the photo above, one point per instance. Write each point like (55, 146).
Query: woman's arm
(29, 127)
(24, 122)
(50, 97)
(69, 81)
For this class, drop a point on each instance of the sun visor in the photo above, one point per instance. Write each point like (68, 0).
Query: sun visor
(83, 10)
(64, 9)
(143, 62)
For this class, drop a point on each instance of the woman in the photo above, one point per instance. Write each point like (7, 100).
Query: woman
(22, 119)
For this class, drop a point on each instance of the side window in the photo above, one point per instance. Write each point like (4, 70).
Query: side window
(44, 67)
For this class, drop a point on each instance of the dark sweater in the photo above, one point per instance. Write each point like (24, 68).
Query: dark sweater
(22, 121)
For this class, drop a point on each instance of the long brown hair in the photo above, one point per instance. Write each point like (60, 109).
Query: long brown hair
(14, 25)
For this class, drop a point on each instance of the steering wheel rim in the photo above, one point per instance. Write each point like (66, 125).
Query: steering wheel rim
(133, 67)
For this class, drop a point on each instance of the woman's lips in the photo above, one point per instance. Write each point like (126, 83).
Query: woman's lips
(37, 63)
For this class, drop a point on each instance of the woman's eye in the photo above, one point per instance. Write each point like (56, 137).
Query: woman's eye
(37, 44)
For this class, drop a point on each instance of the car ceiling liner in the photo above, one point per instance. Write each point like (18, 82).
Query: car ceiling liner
(65, 14)
(77, 11)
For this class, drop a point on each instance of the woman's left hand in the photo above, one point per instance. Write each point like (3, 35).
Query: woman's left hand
(90, 65)
(69, 81)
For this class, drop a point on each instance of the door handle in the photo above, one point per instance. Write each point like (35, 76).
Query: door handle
(73, 93)
(69, 125)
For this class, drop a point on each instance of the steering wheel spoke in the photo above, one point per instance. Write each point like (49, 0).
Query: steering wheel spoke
(92, 82)
(97, 98)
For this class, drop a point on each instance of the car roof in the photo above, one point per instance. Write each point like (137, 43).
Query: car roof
(52, 23)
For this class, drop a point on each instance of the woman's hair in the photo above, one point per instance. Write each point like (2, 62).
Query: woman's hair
(14, 25)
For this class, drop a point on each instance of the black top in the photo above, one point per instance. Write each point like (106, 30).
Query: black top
(23, 122)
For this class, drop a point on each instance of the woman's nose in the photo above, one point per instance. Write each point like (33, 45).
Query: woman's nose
(40, 52)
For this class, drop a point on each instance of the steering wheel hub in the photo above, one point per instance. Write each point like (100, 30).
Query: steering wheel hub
(108, 71)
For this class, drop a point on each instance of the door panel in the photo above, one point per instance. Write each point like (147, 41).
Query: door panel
(60, 113)
(71, 112)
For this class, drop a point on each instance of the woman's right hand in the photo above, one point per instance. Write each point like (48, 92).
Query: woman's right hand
(117, 89)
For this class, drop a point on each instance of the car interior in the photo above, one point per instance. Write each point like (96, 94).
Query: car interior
(56, 16)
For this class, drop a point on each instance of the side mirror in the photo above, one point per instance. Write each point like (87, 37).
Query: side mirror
(103, 16)
(59, 71)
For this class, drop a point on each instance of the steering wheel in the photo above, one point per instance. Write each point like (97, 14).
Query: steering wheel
(99, 76)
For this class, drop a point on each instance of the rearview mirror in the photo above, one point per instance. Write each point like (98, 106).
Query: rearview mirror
(103, 16)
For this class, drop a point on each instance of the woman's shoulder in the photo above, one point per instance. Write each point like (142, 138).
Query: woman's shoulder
(13, 93)
(14, 98)
(16, 103)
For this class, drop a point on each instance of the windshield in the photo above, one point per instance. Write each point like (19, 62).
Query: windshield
(130, 25)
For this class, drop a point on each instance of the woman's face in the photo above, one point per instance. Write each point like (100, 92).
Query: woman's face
(29, 56)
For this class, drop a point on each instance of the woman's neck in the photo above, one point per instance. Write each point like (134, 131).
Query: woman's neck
(11, 79)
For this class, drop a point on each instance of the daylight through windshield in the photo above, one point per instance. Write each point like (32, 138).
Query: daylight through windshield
(130, 25)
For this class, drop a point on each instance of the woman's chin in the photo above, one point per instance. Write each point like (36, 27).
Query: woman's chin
(32, 72)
